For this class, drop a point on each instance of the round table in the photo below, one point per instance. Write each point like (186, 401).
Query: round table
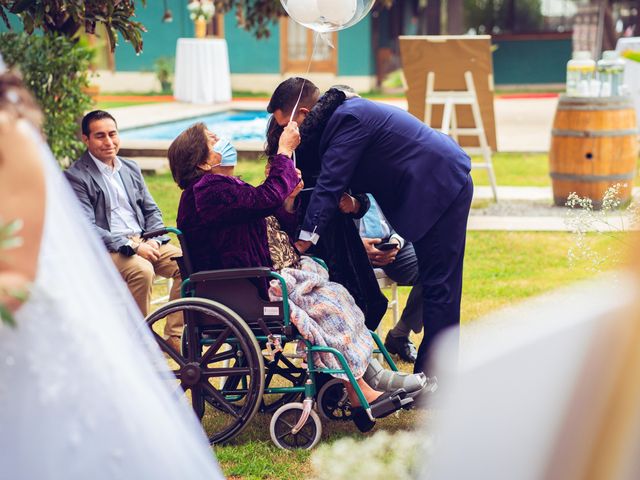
(202, 71)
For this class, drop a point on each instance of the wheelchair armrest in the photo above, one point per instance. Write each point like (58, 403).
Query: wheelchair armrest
(160, 232)
(230, 274)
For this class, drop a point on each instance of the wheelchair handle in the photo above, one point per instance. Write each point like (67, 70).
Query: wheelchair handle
(160, 232)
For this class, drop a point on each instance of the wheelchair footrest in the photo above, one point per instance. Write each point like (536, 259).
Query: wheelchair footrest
(393, 403)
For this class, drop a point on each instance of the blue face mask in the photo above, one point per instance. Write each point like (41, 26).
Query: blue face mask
(227, 152)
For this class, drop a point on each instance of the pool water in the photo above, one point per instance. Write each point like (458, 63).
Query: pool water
(234, 125)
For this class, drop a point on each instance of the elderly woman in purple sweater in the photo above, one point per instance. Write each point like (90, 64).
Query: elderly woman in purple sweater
(231, 224)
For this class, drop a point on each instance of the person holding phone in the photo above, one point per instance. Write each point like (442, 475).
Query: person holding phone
(397, 258)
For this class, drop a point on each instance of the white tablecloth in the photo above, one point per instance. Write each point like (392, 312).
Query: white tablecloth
(202, 71)
(631, 70)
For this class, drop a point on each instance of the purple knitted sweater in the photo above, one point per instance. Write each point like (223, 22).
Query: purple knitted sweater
(223, 218)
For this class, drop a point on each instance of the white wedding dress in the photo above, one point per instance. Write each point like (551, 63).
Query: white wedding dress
(81, 391)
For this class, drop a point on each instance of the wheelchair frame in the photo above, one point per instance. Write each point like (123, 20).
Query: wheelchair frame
(216, 314)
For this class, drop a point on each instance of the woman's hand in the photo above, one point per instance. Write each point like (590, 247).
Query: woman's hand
(348, 204)
(289, 140)
(290, 200)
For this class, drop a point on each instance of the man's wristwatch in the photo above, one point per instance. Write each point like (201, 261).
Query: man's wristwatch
(129, 249)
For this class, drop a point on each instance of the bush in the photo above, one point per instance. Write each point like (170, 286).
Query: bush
(55, 69)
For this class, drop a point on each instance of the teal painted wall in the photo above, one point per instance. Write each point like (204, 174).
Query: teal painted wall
(355, 55)
(248, 54)
(534, 61)
(160, 38)
(14, 21)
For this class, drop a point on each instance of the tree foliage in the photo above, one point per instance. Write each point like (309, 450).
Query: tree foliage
(55, 65)
(55, 70)
(67, 17)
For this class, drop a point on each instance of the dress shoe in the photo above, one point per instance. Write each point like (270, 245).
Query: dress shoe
(401, 346)
(175, 344)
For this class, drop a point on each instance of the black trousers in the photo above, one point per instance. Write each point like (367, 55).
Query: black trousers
(404, 271)
(440, 254)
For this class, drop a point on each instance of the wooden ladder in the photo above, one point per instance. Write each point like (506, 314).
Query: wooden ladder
(449, 99)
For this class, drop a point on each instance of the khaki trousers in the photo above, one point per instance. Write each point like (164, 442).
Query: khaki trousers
(139, 274)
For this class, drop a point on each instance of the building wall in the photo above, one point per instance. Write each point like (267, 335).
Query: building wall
(249, 55)
(160, 38)
(355, 53)
(531, 59)
(534, 59)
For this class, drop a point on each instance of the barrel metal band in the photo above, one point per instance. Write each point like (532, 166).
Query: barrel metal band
(593, 108)
(593, 133)
(593, 178)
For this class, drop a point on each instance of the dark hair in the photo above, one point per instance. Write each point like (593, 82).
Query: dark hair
(286, 95)
(17, 101)
(94, 117)
(186, 152)
(274, 131)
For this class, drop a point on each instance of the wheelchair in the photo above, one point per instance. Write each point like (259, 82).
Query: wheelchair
(236, 359)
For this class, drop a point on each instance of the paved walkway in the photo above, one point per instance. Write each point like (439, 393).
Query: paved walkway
(522, 124)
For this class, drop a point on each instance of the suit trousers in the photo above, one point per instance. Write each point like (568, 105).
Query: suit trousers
(139, 274)
(440, 254)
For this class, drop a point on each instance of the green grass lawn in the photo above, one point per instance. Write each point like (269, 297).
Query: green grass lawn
(501, 269)
(514, 169)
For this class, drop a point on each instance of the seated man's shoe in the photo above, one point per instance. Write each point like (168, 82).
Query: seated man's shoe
(175, 344)
(388, 381)
(401, 346)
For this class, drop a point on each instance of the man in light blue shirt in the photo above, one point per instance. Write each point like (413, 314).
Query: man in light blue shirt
(401, 265)
(117, 203)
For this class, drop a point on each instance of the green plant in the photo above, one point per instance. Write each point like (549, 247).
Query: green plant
(613, 220)
(389, 455)
(163, 67)
(67, 17)
(55, 65)
(55, 69)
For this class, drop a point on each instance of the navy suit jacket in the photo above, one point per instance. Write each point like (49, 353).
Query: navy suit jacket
(88, 184)
(414, 172)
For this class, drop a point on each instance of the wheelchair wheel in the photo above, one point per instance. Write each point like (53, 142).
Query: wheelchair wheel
(333, 402)
(283, 421)
(281, 372)
(220, 366)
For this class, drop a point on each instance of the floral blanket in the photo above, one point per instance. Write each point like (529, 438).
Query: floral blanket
(325, 314)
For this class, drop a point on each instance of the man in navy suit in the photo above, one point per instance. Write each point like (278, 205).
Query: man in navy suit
(419, 177)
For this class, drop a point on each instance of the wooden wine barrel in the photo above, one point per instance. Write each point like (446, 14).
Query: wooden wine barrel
(594, 145)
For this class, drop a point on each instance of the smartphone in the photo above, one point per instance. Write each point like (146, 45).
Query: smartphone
(386, 246)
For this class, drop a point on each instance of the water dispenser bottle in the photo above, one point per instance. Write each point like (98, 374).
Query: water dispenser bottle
(580, 74)
(610, 73)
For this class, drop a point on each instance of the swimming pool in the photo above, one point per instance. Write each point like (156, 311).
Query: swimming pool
(235, 125)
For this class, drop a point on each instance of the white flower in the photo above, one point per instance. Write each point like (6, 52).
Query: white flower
(204, 9)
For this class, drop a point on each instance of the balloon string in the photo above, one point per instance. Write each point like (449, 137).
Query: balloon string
(304, 81)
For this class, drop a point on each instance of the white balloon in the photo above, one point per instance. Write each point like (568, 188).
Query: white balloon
(303, 11)
(338, 12)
